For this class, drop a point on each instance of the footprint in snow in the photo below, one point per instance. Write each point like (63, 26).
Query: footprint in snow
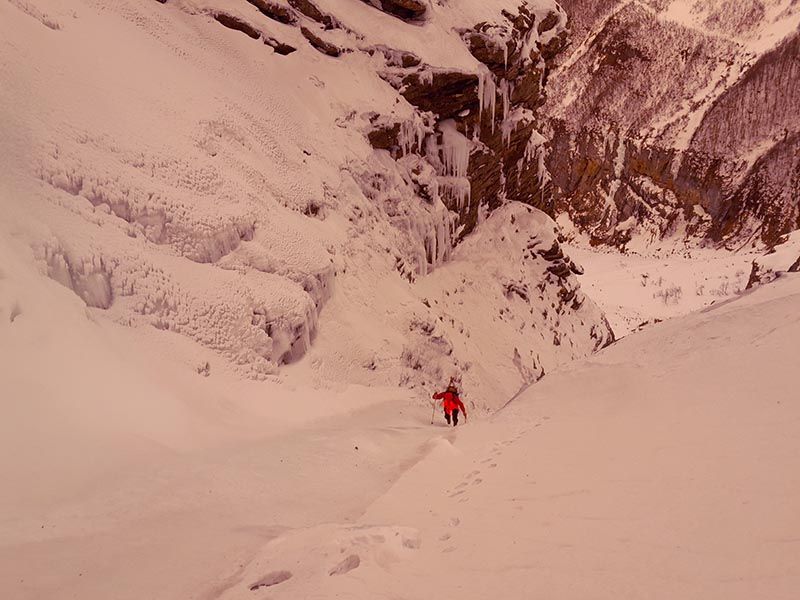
(271, 579)
(347, 565)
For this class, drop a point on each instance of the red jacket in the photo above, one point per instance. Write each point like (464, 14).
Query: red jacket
(450, 402)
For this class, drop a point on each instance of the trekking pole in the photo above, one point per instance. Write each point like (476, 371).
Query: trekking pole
(433, 412)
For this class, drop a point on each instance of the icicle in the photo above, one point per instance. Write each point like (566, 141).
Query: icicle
(506, 90)
(455, 150)
(492, 99)
(411, 135)
(507, 129)
(508, 124)
(534, 143)
(425, 76)
(487, 94)
(481, 85)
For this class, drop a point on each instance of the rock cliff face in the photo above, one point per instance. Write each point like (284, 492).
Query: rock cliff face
(473, 140)
(673, 118)
(479, 131)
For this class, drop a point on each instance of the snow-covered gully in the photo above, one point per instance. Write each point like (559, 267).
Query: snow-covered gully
(243, 241)
(666, 466)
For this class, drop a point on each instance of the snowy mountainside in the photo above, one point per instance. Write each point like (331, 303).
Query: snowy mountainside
(283, 180)
(678, 119)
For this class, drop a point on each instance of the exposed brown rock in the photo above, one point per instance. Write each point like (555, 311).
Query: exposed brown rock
(485, 48)
(309, 9)
(445, 93)
(278, 46)
(409, 59)
(409, 10)
(320, 44)
(546, 24)
(384, 137)
(238, 24)
(275, 11)
(554, 47)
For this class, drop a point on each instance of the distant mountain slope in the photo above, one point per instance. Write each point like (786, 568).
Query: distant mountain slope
(678, 118)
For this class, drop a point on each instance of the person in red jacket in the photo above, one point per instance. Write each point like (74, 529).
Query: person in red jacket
(451, 403)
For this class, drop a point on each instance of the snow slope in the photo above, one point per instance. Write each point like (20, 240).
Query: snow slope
(664, 467)
(221, 309)
(126, 472)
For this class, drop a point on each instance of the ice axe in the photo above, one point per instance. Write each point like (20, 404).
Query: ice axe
(433, 411)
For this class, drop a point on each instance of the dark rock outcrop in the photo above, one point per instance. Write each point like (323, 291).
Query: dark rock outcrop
(279, 47)
(444, 93)
(310, 10)
(275, 11)
(409, 10)
(233, 22)
(320, 44)
(237, 24)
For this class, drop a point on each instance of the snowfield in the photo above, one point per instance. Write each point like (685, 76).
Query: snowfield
(665, 466)
(635, 290)
(224, 308)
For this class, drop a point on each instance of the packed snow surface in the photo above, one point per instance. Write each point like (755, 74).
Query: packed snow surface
(666, 466)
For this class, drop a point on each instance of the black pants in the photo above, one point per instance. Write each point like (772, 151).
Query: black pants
(455, 417)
